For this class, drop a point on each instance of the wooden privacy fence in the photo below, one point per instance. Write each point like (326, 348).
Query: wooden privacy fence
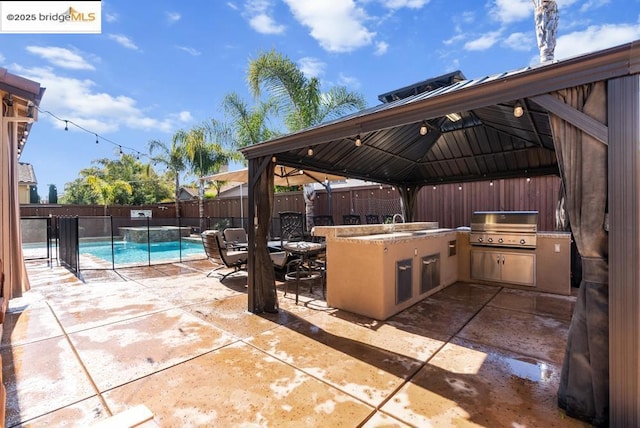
(451, 205)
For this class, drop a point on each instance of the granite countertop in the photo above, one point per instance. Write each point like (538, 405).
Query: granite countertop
(553, 234)
(344, 231)
(398, 236)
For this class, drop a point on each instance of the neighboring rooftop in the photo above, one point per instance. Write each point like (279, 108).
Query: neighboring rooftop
(26, 174)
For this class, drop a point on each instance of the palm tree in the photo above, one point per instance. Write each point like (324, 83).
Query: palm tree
(173, 158)
(249, 125)
(298, 97)
(204, 156)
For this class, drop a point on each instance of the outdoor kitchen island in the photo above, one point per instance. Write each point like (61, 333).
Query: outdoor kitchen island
(379, 270)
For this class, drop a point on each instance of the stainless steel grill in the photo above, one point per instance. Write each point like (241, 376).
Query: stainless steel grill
(504, 228)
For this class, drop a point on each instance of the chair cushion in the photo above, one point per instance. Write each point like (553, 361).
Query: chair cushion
(279, 259)
(233, 257)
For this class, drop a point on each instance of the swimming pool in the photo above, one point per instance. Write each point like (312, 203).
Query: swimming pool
(139, 253)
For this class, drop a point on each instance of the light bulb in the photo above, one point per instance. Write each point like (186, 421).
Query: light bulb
(310, 151)
(423, 129)
(518, 111)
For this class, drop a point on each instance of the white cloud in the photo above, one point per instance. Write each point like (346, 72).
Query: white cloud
(2, 58)
(348, 81)
(311, 67)
(264, 24)
(455, 39)
(78, 101)
(183, 116)
(595, 38)
(173, 17)
(460, 22)
(336, 24)
(483, 42)
(190, 51)
(123, 41)
(453, 65)
(61, 57)
(468, 17)
(593, 4)
(232, 5)
(110, 17)
(507, 11)
(260, 17)
(398, 4)
(520, 41)
(563, 4)
(381, 48)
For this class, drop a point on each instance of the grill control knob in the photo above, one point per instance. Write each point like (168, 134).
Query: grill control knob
(490, 239)
(501, 240)
(480, 239)
(522, 241)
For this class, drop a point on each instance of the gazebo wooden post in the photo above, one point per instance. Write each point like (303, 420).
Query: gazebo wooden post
(251, 234)
(261, 282)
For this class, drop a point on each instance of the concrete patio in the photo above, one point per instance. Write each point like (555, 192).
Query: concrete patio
(167, 337)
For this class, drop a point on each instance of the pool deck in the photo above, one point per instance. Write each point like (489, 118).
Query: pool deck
(170, 343)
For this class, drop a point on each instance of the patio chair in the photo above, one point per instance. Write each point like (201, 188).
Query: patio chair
(351, 219)
(372, 219)
(235, 238)
(300, 257)
(291, 227)
(323, 220)
(219, 254)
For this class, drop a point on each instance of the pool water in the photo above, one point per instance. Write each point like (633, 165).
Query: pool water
(133, 252)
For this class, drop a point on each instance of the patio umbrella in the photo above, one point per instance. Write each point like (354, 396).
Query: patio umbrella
(284, 176)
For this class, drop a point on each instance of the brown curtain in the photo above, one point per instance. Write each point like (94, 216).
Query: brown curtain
(265, 297)
(584, 382)
(409, 197)
(16, 278)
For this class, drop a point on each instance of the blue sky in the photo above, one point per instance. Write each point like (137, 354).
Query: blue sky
(166, 65)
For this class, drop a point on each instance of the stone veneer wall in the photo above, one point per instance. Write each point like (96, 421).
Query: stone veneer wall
(156, 234)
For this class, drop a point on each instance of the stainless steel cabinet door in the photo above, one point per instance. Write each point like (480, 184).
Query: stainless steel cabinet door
(518, 268)
(486, 265)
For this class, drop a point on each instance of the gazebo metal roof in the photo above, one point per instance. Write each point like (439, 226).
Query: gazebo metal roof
(488, 142)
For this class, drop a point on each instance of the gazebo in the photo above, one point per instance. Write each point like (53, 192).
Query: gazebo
(578, 118)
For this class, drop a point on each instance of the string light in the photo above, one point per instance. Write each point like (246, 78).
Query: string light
(68, 122)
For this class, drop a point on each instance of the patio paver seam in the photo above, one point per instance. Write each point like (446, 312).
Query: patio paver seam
(294, 367)
(81, 362)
